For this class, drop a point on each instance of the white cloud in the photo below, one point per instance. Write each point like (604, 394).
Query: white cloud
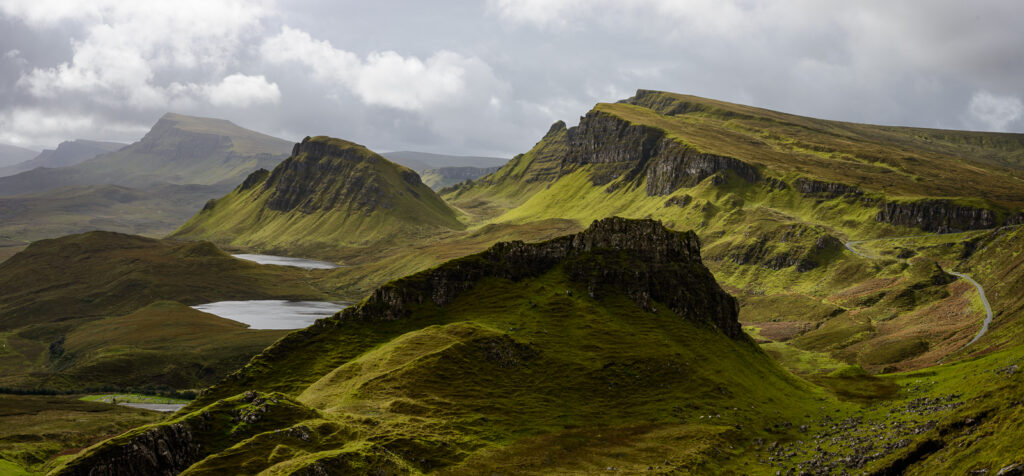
(540, 13)
(995, 112)
(127, 45)
(40, 128)
(383, 78)
(239, 90)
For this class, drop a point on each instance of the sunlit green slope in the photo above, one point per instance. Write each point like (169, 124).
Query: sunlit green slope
(540, 358)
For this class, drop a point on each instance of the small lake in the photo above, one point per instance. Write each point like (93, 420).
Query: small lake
(156, 407)
(273, 314)
(287, 261)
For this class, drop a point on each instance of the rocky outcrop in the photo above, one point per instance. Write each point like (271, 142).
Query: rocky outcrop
(325, 174)
(680, 202)
(821, 189)
(676, 166)
(605, 139)
(254, 179)
(620, 149)
(940, 216)
(169, 448)
(639, 258)
(164, 450)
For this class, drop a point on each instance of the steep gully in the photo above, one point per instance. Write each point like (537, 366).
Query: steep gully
(981, 291)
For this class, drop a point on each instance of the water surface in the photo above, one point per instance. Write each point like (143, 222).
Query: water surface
(273, 314)
(157, 407)
(287, 261)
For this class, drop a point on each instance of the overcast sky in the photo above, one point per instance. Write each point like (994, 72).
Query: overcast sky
(488, 77)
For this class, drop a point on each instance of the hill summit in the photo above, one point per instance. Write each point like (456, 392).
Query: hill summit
(330, 193)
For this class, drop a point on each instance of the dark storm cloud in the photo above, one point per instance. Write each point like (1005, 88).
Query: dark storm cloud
(489, 77)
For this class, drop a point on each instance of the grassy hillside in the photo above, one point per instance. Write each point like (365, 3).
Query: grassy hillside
(332, 198)
(67, 307)
(536, 361)
(37, 432)
(542, 358)
(774, 197)
(178, 149)
(152, 211)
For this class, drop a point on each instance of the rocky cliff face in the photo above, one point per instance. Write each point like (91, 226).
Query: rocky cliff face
(164, 450)
(169, 449)
(618, 148)
(825, 189)
(640, 258)
(940, 216)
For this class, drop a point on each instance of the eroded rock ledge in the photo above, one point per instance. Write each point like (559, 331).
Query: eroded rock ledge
(640, 258)
(940, 216)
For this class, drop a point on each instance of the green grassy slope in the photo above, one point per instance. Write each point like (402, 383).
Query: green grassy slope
(773, 196)
(545, 372)
(59, 299)
(331, 198)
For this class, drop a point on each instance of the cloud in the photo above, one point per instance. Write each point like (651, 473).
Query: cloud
(128, 46)
(239, 90)
(35, 126)
(382, 78)
(539, 13)
(995, 112)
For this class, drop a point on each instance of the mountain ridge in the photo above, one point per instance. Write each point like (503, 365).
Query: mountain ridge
(66, 154)
(178, 149)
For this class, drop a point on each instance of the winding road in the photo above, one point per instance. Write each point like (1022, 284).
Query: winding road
(981, 291)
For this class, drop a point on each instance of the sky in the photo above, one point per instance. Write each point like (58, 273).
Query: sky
(489, 77)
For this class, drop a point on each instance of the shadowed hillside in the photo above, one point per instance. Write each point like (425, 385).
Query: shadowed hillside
(66, 306)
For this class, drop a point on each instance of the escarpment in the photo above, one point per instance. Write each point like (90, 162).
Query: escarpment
(825, 189)
(940, 216)
(617, 148)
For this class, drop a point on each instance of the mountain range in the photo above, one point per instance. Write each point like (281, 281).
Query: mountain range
(149, 187)
(11, 155)
(674, 285)
(66, 154)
